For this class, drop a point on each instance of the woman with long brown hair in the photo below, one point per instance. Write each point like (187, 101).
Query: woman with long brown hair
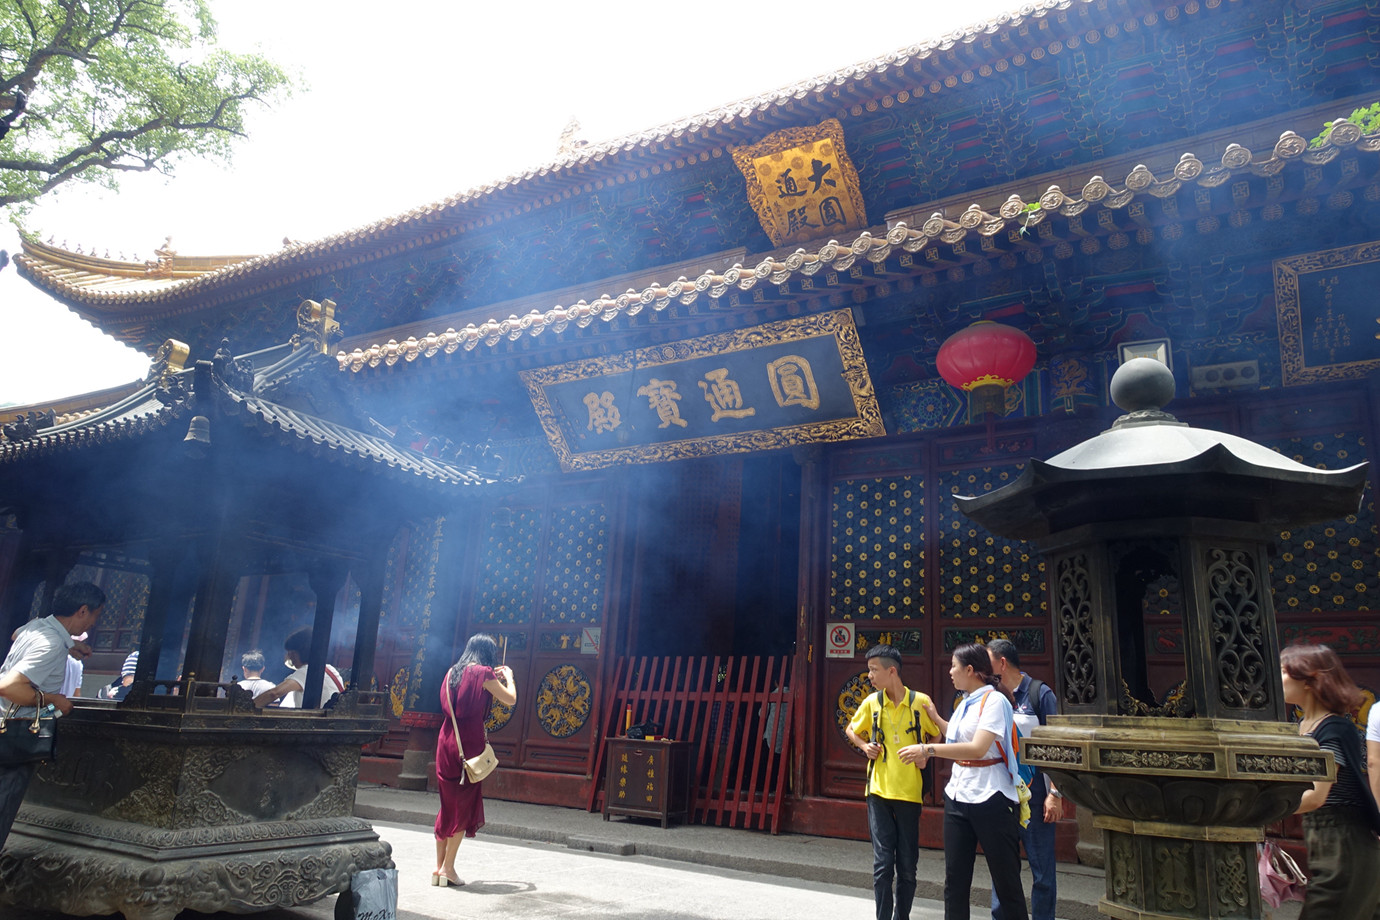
(1338, 817)
(471, 683)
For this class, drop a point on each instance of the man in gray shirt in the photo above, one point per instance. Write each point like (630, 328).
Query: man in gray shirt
(37, 662)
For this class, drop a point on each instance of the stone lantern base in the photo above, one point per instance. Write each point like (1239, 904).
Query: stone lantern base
(1181, 804)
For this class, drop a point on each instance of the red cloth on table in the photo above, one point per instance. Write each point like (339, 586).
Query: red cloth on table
(462, 802)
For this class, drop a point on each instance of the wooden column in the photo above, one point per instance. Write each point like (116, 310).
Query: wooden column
(25, 576)
(164, 561)
(219, 555)
(326, 578)
(215, 591)
(811, 582)
(370, 576)
(57, 565)
(439, 642)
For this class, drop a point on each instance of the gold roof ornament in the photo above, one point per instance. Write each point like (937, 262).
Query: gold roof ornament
(802, 184)
(170, 358)
(316, 326)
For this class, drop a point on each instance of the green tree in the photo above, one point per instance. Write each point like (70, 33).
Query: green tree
(93, 88)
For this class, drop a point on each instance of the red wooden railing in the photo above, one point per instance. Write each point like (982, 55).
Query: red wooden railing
(722, 706)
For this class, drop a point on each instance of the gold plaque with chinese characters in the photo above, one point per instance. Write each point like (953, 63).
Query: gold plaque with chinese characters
(796, 381)
(802, 184)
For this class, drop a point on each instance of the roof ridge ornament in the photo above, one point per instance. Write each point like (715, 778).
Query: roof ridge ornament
(168, 361)
(570, 141)
(26, 426)
(316, 326)
(161, 266)
(237, 373)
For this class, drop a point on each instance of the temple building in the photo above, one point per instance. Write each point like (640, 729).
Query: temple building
(671, 417)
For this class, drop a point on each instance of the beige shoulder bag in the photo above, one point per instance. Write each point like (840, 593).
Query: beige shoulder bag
(480, 766)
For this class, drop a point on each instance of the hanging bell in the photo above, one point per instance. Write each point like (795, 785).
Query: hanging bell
(198, 432)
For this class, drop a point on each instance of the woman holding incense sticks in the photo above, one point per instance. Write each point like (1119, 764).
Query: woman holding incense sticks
(467, 693)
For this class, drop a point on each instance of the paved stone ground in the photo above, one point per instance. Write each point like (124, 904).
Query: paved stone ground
(798, 857)
(525, 880)
(534, 861)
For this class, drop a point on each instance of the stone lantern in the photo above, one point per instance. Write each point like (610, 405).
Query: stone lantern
(1183, 785)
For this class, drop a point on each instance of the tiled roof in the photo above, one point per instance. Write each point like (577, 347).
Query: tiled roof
(745, 109)
(90, 277)
(143, 412)
(127, 284)
(131, 417)
(70, 408)
(1014, 215)
(333, 441)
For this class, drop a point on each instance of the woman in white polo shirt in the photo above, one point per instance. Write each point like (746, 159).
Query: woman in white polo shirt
(980, 802)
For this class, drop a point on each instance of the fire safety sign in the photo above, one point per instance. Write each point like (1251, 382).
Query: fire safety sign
(839, 642)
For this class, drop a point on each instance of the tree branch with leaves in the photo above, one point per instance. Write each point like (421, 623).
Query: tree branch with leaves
(93, 88)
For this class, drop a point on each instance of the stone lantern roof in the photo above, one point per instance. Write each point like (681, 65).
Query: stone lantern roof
(1150, 465)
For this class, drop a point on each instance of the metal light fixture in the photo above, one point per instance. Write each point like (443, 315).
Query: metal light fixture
(1147, 348)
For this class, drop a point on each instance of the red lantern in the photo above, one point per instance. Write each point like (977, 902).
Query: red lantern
(983, 360)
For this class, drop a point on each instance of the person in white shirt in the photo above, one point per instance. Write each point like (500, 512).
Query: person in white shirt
(297, 647)
(981, 805)
(1035, 702)
(34, 670)
(253, 664)
(1373, 751)
(71, 682)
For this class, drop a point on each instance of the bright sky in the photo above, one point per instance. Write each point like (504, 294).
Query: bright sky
(410, 101)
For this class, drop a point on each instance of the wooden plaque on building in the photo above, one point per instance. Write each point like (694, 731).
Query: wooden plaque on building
(1328, 326)
(797, 381)
(802, 184)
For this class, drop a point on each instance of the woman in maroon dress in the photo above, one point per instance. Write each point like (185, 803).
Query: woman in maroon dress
(466, 692)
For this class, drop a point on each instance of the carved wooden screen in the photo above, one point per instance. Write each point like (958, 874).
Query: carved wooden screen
(539, 584)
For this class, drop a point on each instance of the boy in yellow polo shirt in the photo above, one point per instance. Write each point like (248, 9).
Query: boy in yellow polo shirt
(886, 722)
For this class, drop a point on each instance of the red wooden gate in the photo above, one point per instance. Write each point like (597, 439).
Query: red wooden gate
(724, 706)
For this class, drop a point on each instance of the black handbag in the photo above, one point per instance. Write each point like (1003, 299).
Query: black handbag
(28, 740)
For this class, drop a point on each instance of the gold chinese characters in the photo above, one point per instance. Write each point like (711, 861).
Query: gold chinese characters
(792, 384)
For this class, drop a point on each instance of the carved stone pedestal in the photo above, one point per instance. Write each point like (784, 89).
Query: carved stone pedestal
(1181, 804)
(1168, 870)
(187, 804)
(78, 865)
